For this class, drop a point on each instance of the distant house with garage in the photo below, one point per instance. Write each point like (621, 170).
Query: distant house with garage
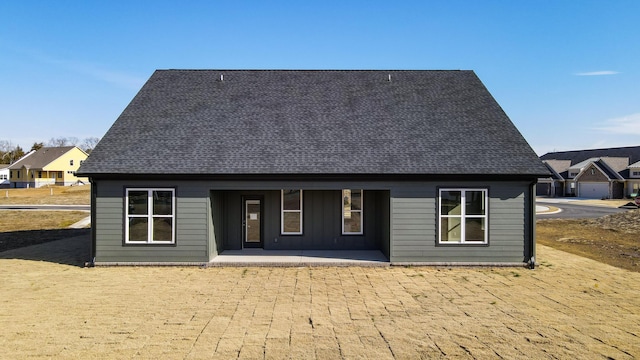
(610, 173)
(48, 166)
(422, 166)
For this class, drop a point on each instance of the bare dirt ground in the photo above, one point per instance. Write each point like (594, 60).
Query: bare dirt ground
(612, 239)
(569, 307)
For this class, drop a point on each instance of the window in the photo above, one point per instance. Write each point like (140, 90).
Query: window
(463, 216)
(71, 162)
(352, 212)
(636, 173)
(291, 219)
(150, 216)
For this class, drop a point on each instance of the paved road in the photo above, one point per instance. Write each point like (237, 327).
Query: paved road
(47, 207)
(571, 211)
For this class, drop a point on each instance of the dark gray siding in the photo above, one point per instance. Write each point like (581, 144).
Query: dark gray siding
(192, 219)
(322, 221)
(414, 225)
(400, 220)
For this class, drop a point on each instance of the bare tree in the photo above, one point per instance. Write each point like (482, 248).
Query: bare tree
(57, 142)
(89, 144)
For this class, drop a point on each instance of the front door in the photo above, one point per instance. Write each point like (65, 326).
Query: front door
(252, 224)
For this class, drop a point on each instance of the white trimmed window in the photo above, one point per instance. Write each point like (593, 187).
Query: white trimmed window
(352, 212)
(463, 216)
(150, 216)
(291, 209)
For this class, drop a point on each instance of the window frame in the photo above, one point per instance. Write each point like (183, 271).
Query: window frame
(283, 211)
(361, 212)
(463, 216)
(149, 216)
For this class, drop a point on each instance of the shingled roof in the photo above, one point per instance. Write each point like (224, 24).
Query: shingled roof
(577, 156)
(40, 158)
(313, 122)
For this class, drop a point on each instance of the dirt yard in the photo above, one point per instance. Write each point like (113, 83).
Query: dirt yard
(612, 239)
(569, 307)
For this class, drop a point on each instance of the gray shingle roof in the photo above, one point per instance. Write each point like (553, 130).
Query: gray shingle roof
(41, 158)
(576, 156)
(313, 122)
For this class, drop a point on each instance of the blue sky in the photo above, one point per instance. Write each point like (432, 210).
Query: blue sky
(566, 72)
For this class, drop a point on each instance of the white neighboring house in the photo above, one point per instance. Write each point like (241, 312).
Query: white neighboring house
(4, 176)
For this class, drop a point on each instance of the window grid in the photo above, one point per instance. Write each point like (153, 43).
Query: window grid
(150, 216)
(288, 214)
(463, 216)
(352, 219)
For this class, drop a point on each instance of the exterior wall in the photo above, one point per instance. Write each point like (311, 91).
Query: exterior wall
(4, 177)
(414, 225)
(587, 176)
(400, 219)
(63, 164)
(322, 222)
(633, 187)
(617, 190)
(192, 222)
(58, 172)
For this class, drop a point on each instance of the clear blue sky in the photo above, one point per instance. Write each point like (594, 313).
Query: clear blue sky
(566, 72)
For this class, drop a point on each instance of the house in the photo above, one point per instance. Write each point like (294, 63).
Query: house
(611, 173)
(48, 166)
(4, 176)
(423, 166)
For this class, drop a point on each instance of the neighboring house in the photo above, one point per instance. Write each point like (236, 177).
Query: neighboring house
(48, 166)
(423, 166)
(4, 175)
(612, 173)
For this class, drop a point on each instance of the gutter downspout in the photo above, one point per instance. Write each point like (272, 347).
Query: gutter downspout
(530, 257)
(94, 193)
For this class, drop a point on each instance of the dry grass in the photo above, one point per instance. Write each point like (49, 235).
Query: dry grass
(15, 220)
(612, 239)
(567, 308)
(54, 195)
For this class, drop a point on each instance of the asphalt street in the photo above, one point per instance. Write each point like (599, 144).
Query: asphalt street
(570, 211)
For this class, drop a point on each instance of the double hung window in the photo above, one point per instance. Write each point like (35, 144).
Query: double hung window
(150, 216)
(291, 208)
(462, 216)
(352, 212)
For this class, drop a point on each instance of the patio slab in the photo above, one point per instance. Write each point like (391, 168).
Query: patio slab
(260, 257)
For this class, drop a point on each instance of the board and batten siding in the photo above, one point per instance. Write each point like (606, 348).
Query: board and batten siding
(192, 222)
(414, 225)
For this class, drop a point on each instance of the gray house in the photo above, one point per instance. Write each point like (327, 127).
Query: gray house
(423, 166)
(610, 173)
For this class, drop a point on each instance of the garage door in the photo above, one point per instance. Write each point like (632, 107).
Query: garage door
(593, 190)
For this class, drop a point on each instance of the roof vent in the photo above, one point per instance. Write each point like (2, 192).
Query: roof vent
(221, 77)
(389, 77)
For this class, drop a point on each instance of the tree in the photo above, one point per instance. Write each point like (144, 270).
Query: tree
(13, 155)
(57, 142)
(10, 153)
(37, 146)
(89, 144)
